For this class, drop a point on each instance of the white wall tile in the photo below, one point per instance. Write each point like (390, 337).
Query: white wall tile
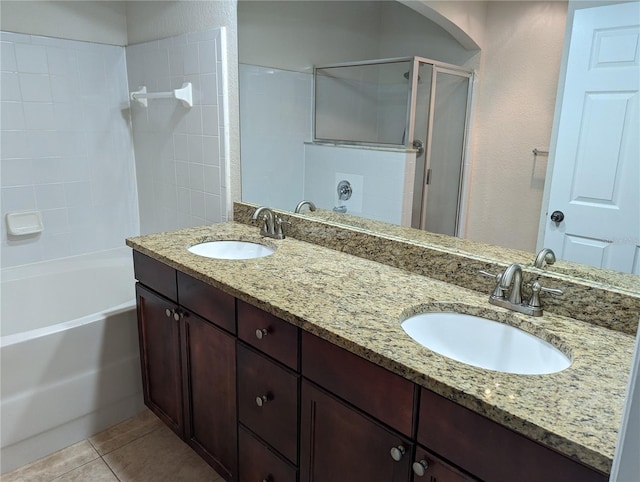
(211, 148)
(35, 87)
(50, 196)
(8, 56)
(207, 57)
(196, 153)
(210, 120)
(14, 145)
(10, 86)
(31, 59)
(209, 89)
(22, 198)
(16, 172)
(196, 177)
(197, 204)
(181, 146)
(191, 60)
(39, 116)
(12, 116)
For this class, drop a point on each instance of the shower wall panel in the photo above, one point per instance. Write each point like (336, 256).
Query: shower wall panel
(275, 108)
(65, 147)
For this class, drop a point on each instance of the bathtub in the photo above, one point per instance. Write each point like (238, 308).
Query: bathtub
(69, 357)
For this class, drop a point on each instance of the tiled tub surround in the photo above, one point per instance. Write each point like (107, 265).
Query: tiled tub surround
(597, 296)
(66, 146)
(358, 304)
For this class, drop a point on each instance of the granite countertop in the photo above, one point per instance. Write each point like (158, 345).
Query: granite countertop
(358, 304)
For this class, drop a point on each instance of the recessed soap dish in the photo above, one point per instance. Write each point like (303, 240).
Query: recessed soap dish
(24, 223)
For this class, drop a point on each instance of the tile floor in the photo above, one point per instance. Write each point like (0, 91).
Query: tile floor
(139, 449)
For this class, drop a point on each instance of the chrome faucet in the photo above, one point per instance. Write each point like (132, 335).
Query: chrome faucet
(545, 255)
(271, 223)
(301, 204)
(511, 280)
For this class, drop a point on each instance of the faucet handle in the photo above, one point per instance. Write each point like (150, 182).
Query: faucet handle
(498, 292)
(279, 228)
(536, 288)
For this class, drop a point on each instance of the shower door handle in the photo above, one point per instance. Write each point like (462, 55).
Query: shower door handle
(417, 144)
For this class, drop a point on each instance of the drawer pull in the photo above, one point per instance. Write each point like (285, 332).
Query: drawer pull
(419, 468)
(397, 453)
(261, 400)
(261, 333)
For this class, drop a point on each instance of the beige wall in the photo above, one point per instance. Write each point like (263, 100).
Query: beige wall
(102, 22)
(295, 35)
(516, 94)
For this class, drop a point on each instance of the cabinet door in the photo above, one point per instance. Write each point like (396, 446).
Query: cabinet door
(429, 468)
(339, 443)
(259, 462)
(210, 393)
(159, 335)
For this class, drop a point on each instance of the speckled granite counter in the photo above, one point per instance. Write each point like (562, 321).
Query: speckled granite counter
(602, 297)
(358, 304)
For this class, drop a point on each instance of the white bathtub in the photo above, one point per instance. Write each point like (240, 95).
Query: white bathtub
(69, 357)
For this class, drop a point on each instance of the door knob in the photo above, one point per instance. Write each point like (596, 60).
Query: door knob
(557, 216)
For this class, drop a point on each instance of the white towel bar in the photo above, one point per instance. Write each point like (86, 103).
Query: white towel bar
(183, 94)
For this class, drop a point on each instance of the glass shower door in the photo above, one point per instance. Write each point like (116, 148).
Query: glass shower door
(444, 153)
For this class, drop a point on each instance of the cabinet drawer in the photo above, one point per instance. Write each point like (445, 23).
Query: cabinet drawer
(269, 334)
(487, 449)
(259, 462)
(156, 275)
(210, 303)
(268, 401)
(375, 390)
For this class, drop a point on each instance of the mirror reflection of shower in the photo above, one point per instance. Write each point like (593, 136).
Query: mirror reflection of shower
(370, 103)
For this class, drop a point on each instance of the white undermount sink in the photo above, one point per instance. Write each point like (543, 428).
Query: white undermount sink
(231, 250)
(485, 343)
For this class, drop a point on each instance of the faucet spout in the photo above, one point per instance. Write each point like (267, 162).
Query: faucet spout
(545, 255)
(301, 204)
(512, 280)
(268, 227)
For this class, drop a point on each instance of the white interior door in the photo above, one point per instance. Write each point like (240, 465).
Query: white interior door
(596, 178)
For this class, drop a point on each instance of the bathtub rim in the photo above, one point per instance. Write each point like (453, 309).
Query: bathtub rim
(31, 270)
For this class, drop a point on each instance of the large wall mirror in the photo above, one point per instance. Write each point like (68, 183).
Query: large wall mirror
(515, 50)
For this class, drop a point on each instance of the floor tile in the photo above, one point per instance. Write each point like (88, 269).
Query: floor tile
(96, 471)
(159, 456)
(131, 429)
(55, 465)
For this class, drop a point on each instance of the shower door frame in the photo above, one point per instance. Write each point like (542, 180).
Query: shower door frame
(410, 122)
(440, 67)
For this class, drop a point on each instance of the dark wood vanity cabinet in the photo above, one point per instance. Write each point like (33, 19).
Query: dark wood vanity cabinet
(209, 376)
(259, 399)
(189, 362)
(160, 357)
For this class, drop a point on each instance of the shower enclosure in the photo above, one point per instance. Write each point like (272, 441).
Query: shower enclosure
(403, 103)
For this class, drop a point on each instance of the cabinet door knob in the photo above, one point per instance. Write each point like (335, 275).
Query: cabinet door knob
(168, 312)
(261, 333)
(177, 315)
(397, 453)
(419, 468)
(261, 400)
